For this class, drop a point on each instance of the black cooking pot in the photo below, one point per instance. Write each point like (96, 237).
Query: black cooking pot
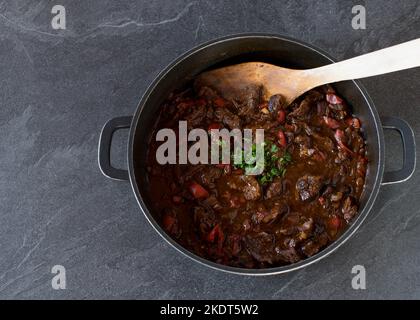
(239, 48)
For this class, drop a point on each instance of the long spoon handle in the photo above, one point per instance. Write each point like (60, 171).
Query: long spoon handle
(402, 56)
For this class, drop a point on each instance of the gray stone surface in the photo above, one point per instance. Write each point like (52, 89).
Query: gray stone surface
(57, 89)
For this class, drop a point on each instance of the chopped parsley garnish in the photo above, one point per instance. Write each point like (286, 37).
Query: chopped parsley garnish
(273, 165)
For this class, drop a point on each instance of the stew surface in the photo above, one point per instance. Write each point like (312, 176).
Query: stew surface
(309, 192)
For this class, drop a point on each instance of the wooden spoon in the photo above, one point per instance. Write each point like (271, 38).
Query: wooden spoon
(233, 80)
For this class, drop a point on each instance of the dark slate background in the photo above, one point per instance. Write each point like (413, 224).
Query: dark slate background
(59, 87)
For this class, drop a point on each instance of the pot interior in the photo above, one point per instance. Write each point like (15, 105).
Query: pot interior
(275, 50)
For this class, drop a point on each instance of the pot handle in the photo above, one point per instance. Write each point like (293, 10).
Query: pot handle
(104, 150)
(409, 149)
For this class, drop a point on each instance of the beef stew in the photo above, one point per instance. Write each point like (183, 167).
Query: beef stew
(314, 174)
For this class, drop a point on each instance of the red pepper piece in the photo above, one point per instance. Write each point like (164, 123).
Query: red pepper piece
(198, 191)
(220, 102)
(282, 138)
(214, 126)
(334, 222)
(169, 222)
(216, 233)
(290, 127)
(281, 116)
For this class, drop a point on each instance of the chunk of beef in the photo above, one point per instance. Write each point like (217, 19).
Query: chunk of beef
(247, 184)
(276, 211)
(356, 140)
(289, 255)
(196, 115)
(259, 214)
(296, 225)
(325, 142)
(276, 103)
(308, 187)
(170, 222)
(252, 190)
(249, 101)
(234, 244)
(305, 145)
(186, 172)
(207, 93)
(274, 189)
(312, 246)
(261, 246)
(228, 118)
(204, 219)
(349, 209)
(264, 215)
(302, 112)
(209, 175)
(337, 110)
(210, 113)
(212, 202)
(314, 96)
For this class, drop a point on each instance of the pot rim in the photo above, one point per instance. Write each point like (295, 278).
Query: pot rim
(266, 271)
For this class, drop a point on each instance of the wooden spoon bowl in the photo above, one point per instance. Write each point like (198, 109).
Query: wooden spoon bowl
(231, 81)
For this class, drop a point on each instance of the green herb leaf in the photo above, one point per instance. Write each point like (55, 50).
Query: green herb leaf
(274, 148)
(273, 165)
